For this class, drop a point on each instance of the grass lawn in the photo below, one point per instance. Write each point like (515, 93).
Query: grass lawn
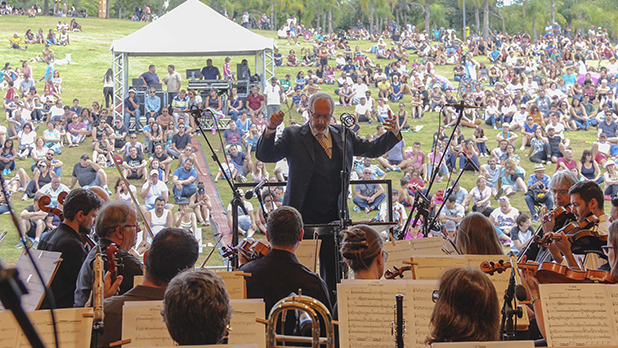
(90, 50)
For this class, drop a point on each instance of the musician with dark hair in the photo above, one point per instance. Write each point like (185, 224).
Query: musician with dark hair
(116, 223)
(466, 309)
(80, 211)
(196, 308)
(172, 251)
(279, 273)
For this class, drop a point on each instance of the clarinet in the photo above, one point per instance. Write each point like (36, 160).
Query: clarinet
(398, 325)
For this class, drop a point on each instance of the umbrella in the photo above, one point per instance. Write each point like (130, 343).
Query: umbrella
(595, 77)
(444, 81)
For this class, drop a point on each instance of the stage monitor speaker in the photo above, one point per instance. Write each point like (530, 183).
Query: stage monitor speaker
(242, 71)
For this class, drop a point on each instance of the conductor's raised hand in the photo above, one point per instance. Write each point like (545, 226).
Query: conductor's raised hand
(275, 120)
(391, 122)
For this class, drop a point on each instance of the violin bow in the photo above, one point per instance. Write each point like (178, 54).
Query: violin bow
(126, 183)
(212, 251)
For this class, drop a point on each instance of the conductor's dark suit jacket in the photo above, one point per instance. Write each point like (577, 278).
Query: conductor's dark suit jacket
(299, 146)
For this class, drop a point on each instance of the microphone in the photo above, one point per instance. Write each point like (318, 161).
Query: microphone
(476, 168)
(97, 288)
(348, 120)
(256, 189)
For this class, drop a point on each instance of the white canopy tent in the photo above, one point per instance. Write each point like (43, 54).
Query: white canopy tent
(191, 29)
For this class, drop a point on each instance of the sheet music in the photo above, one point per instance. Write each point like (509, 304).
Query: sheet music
(8, 329)
(306, 253)
(243, 327)
(398, 253)
(47, 261)
(612, 295)
(432, 267)
(143, 324)
(366, 311)
(234, 284)
(418, 307)
(498, 344)
(427, 246)
(577, 315)
(73, 328)
(253, 345)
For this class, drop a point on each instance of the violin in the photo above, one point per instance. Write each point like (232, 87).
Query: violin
(248, 250)
(558, 214)
(112, 261)
(551, 272)
(570, 230)
(397, 273)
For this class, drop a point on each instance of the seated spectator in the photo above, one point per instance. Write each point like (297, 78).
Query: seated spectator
(152, 189)
(184, 180)
(233, 136)
(32, 222)
(452, 211)
(42, 175)
(26, 139)
(506, 134)
(180, 104)
(252, 136)
(538, 191)
(134, 165)
(234, 104)
(165, 162)
(608, 126)
(246, 221)
(131, 109)
(521, 233)
(255, 103)
(103, 150)
(180, 140)
(368, 196)
(504, 218)
(120, 133)
(15, 42)
(188, 153)
(52, 190)
(196, 308)
(511, 179)
(7, 158)
(132, 143)
(567, 162)
(242, 163)
(611, 180)
(589, 168)
(345, 95)
(165, 118)
(77, 131)
(527, 131)
(540, 150)
(362, 111)
(200, 203)
(88, 174)
(229, 170)
(52, 138)
(152, 104)
(185, 217)
(481, 195)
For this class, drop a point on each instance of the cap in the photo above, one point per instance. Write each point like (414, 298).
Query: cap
(154, 172)
(609, 163)
(450, 226)
(182, 200)
(85, 156)
(131, 90)
(506, 124)
(538, 167)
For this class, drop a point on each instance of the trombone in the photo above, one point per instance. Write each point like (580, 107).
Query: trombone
(312, 307)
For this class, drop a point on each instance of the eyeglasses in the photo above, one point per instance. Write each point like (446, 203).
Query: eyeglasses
(606, 249)
(136, 226)
(435, 295)
(562, 192)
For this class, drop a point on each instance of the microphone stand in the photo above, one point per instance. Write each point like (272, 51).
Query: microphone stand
(421, 205)
(237, 200)
(347, 121)
(509, 313)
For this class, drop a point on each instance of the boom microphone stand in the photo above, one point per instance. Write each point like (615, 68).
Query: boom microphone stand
(196, 113)
(348, 121)
(421, 203)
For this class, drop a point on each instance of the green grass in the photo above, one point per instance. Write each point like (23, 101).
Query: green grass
(90, 49)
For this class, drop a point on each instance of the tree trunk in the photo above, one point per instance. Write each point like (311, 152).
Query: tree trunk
(323, 21)
(523, 13)
(553, 12)
(427, 17)
(317, 19)
(330, 20)
(46, 8)
(371, 19)
(478, 20)
(533, 28)
(486, 20)
(160, 13)
(272, 17)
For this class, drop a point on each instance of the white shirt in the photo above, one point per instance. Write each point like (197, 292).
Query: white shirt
(558, 128)
(520, 117)
(612, 69)
(362, 109)
(47, 188)
(155, 191)
(273, 95)
(359, 90)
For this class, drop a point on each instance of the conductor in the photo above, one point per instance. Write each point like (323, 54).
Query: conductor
(314, 154)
